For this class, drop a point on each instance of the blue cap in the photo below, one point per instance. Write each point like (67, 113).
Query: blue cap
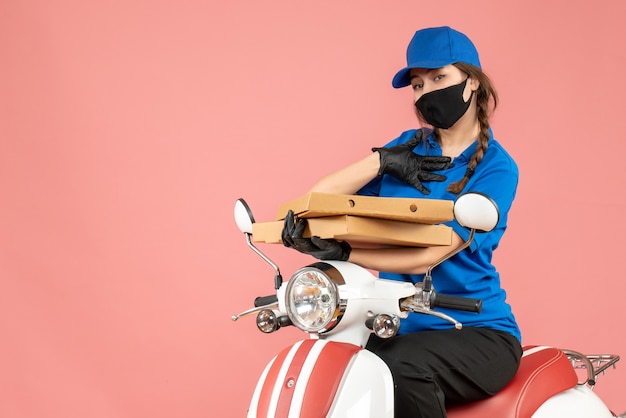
(436, 48)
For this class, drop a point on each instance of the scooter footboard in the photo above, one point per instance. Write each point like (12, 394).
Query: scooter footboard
(316, 378)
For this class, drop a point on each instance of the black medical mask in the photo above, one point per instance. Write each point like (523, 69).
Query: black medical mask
(443, 108)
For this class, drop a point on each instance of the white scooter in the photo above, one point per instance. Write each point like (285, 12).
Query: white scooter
(339, 304)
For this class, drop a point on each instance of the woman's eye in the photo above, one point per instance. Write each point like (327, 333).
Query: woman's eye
(417, 86)
(439, 77)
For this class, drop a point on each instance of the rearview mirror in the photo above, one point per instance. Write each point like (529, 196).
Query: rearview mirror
(243, 216)
(477, 211)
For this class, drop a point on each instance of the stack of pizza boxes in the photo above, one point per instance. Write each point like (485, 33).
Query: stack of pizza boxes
(366, 221)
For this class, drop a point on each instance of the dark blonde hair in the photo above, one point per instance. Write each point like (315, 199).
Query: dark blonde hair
(485, 94)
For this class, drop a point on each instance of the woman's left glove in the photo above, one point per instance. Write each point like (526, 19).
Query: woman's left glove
(322, 249)
(402, 163)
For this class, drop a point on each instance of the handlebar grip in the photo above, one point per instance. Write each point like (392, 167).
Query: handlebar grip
(265, 300)
(458, 303)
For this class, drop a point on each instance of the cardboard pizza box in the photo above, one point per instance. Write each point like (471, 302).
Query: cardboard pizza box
(361, 231)
(425, 211)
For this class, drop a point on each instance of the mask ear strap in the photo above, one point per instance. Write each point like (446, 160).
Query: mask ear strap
(472, 91)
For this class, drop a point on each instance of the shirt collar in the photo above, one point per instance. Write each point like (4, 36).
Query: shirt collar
(465, 155)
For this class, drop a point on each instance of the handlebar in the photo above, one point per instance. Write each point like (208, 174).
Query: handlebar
(457, 302)
(265, 300)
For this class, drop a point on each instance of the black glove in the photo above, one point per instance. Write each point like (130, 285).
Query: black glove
(322, 249)
(402, 163)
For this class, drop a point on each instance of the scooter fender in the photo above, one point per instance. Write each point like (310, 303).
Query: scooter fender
(317, 378)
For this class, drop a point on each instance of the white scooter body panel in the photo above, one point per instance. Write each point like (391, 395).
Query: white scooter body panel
(578, 402)
(366, 390)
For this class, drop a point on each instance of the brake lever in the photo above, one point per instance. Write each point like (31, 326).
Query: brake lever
(414, 305)
(254, 310)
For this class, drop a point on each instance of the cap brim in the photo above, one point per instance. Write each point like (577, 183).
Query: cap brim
(401, 79)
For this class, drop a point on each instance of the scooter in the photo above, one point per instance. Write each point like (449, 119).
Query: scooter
(339, 304)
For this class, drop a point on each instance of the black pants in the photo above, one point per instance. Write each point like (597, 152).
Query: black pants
(437, 368)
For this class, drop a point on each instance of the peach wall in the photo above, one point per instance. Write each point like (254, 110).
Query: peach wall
(129, 128)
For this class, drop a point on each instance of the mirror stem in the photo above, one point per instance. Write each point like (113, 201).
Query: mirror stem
(278, 278)
(451, 253)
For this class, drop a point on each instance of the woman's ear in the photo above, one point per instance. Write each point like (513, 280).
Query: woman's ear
(474, 83)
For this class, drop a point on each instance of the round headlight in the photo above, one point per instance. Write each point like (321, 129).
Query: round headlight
(312, 300)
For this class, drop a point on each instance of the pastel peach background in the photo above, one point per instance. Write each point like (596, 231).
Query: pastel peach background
(129, 128)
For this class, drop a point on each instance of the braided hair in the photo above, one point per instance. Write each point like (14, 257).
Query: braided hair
(485, 92)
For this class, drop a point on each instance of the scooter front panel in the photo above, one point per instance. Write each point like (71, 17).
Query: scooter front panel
(302, 380)
(262, 403)
(325, 378)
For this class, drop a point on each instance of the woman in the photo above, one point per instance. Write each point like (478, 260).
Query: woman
(433, 364)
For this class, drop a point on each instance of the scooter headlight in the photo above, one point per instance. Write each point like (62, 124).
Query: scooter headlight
(312, 298)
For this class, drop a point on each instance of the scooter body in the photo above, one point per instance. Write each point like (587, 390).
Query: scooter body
(318, 378)
(334, 376)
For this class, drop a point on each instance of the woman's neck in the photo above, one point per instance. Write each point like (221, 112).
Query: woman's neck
(455, 140)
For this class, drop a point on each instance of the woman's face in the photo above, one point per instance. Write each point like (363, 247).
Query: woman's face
(424, 80)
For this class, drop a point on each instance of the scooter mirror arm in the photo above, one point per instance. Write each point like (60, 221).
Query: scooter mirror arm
(278, 278)
(451, 253)
(428, 278)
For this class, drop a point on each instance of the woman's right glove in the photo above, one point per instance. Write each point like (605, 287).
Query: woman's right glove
(322, 249)
(402, 163)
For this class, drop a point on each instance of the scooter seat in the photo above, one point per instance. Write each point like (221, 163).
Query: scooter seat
(543, 372)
